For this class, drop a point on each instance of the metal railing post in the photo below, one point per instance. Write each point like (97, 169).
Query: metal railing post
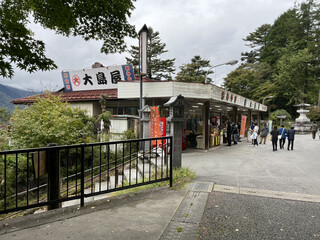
(82, 175)
(53, 176)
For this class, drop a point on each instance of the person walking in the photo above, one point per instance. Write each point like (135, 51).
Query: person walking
(264, 134)
(313, 130)
(235, 130)
(290, 135)
(251, 132)
(274, 133)
(283, 134)
(229, 132)
(255, 134)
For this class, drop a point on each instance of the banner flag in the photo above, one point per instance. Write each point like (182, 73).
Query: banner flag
(155, 130)
(243, 125)
(270, 125)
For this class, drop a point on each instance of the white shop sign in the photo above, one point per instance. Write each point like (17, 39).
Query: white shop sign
(97, 78)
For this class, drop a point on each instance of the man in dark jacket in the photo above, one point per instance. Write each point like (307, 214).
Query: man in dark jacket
(290, 135)
(313, 130)
(264, 133)
(229, 132)
(235, 131)
(274, 133)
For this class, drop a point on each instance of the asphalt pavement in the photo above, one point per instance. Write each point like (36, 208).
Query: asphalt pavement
(241, 192)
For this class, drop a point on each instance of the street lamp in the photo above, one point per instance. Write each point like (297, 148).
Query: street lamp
(266, 98)
(268, 109)
(143, 48)
(232, 62)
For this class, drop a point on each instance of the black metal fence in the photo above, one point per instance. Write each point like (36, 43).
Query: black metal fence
(59, 174)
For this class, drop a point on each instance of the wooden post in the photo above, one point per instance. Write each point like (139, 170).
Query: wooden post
(234, 114)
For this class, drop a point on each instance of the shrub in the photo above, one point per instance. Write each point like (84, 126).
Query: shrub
(49, 120)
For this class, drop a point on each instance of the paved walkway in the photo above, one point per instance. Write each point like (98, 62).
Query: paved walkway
(241, 192)
(243, 165)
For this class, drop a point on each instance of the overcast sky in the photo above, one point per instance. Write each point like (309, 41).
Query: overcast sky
(212, 29)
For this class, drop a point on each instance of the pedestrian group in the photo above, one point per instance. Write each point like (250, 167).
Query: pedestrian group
(254, 133)
(276, 135)
(281, 134)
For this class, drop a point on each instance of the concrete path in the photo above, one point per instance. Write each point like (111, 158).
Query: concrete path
(258, 193)
(243, 165)
(143, 215)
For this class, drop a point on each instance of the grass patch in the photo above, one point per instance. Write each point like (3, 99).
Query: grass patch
(181, 176)
(179, 229)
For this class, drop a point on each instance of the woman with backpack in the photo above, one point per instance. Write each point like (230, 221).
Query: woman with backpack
(282, 136)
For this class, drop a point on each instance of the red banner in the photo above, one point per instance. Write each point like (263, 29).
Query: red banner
(243, 125)
(155, 130)
(163, 128)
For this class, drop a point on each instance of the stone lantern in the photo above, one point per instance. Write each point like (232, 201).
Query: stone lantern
(302, 123)
(145, 119)
(176, 121)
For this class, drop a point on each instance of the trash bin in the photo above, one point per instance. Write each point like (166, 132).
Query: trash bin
(199, 142)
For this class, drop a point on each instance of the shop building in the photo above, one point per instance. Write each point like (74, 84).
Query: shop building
(210, 106)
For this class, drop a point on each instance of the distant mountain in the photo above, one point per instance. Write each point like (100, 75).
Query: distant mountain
(7, 94)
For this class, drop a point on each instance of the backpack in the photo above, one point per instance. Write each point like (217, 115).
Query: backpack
(259, 131)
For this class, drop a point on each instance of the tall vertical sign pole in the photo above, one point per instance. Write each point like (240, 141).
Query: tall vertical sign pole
(143, 46)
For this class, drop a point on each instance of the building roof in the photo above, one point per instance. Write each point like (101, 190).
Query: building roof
(193, 93)
(77, 96)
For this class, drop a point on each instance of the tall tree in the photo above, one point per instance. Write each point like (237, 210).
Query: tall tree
(286, 29)
(249, 79)
(295, 79)
(91, 19)
(4, 115)
(194, 71)
(256, 41)
(290, 47)
(158, 68)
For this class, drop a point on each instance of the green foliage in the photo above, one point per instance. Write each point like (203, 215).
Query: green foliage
(247, 78)
(314, 114)
(286, 29)
(129, 134)
(4, 115)
(194, 71)
(4, 138)
(289, 51)
(256, 41)
(279, 112)
(295, 78)
(106, 117)
(157, 68)
(97, 20)
(49, 120)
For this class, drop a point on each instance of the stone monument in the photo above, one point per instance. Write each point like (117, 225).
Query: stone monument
(176, 120)
(302, 124)
(145, 119)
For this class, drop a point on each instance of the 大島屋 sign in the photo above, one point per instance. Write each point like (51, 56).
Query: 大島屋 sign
(96, 78)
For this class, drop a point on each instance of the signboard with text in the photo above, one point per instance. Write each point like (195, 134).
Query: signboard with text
(243, 126)
(97, 78)
(155, 130)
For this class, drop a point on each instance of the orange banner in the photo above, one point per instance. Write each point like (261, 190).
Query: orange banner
(155, 130)
(243, 125)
